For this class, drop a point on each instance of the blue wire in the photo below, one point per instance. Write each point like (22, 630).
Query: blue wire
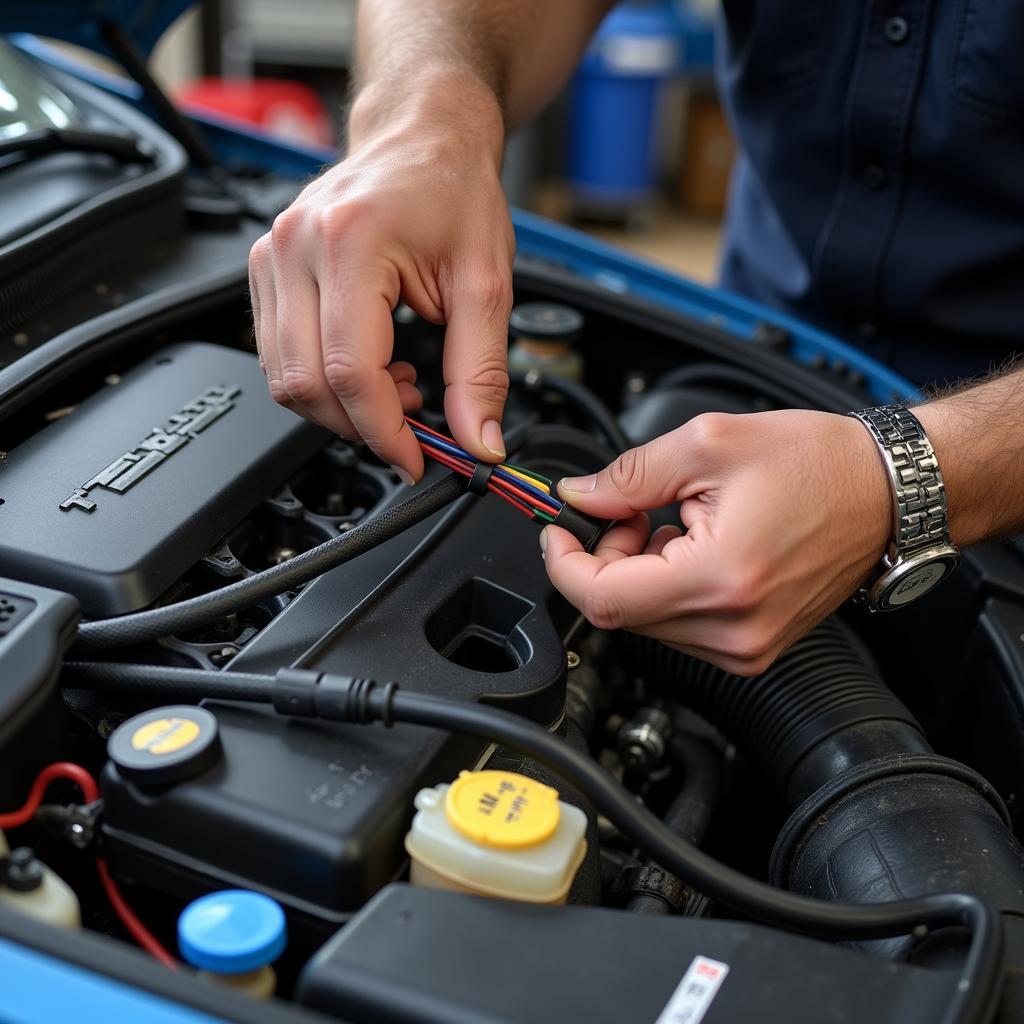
(553, 503)
(451, 448)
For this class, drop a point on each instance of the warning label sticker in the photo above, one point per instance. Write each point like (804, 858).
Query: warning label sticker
(694, 994)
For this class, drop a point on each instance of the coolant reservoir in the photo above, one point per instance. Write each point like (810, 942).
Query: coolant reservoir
(30, 887)
(497, 834)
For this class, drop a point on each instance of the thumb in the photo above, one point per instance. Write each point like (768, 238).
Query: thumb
(646, 477)
(476, 362)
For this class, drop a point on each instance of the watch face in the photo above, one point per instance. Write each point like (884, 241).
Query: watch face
(908, 582)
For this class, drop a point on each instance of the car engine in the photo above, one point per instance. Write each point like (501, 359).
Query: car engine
(184, 559)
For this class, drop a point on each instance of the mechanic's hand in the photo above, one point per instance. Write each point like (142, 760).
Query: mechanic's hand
(415, 212)
(786, 514)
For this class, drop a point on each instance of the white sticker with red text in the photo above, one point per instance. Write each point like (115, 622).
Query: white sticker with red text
(694, 994)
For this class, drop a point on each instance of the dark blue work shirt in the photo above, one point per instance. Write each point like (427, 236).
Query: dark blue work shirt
(880, 193)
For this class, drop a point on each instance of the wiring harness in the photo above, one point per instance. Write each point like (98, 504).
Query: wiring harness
(524, 489)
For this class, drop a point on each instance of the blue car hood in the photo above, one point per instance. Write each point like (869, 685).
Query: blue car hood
(81, 21)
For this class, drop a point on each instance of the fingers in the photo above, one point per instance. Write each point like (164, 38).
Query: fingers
(297, 349)
(619, 585)
(357, 336)
(667, 469)
(476, 361)
(264, 310)
(660, 538)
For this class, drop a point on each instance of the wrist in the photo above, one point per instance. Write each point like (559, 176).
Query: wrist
(452, 102)
(875, 503)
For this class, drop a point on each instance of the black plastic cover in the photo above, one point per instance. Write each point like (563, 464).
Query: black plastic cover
(116, 500)
(36, 625)
(422, 956)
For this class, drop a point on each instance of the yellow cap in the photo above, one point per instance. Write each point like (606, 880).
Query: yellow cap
(502, 809)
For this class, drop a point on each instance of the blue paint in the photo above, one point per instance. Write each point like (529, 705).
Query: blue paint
(38, 989)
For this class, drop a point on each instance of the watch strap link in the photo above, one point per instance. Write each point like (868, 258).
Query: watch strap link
(919, 506)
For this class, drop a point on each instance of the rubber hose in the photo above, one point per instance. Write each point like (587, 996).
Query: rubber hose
(197, 611)
(825, 683)
(165, 682)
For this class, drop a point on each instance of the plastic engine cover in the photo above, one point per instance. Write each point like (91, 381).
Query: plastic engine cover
(114, 501)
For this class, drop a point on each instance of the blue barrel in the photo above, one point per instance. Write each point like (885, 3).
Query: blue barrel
(613, 160)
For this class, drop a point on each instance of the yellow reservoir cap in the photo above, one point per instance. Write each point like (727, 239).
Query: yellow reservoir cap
(502, 809)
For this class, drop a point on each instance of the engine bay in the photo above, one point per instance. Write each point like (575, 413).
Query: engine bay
(238, 655)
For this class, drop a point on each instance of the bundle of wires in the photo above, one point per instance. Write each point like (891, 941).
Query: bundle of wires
(524, 489)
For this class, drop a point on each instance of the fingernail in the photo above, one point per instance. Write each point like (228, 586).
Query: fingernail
(543, 542)
(579, 484)
(403, 475)
(490, 434)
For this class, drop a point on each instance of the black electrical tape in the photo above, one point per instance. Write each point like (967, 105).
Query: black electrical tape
(480, 479)
(586, 529)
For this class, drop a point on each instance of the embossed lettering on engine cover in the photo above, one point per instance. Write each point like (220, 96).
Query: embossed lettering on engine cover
(184, 426)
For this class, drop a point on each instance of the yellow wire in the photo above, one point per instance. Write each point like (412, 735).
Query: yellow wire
(529, 479)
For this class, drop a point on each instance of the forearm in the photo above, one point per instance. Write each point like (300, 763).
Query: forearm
(492, 64)
(978, 436)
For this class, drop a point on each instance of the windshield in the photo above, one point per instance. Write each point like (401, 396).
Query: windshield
(28, 101)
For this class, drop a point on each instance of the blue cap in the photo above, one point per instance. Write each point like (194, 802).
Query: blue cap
(232, 931)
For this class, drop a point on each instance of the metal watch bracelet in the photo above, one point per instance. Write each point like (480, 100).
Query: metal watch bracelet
(920, 520)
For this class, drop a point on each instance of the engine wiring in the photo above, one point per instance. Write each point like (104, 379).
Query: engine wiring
(90, 790)
(524, 489)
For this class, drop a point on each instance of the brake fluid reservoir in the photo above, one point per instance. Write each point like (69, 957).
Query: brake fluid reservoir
(496, 834)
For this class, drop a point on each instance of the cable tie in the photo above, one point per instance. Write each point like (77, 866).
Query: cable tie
(480, 479)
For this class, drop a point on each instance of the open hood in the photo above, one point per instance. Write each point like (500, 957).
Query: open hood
(81, 21)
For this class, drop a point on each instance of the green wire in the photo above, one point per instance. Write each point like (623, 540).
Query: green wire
(529, 473)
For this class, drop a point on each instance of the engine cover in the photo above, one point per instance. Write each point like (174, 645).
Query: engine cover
(116, 500)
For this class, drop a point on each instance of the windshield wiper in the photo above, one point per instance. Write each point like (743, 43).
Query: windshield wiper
(122, 147)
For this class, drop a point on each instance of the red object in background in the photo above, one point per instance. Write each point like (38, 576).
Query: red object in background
(289, 110)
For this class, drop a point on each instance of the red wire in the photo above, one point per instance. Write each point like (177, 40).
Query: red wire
(428, 430)
(142, 935)
(502, 488)
(59, 770)
(512, 501)
(87, 784)
(448, 460)
(519, 493)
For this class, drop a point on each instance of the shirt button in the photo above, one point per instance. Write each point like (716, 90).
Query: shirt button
(897, 30)
(874, 177)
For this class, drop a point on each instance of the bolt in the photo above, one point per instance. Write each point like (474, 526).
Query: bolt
(572, 659)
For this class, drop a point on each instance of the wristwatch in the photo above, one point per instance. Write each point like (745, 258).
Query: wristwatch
(921, 553)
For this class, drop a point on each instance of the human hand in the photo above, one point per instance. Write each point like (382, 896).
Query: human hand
(786, 514)
(416, 213)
